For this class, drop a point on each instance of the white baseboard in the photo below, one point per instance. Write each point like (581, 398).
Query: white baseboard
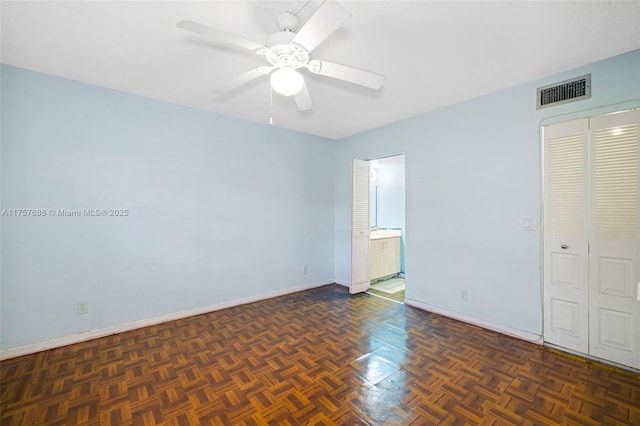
(489, 325)
(133, 325)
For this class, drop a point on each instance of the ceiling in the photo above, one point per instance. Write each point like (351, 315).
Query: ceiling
(433, 54)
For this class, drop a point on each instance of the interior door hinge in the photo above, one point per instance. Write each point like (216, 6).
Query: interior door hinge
(588, 248)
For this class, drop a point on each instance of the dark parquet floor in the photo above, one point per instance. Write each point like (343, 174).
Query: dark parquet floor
(315, 357)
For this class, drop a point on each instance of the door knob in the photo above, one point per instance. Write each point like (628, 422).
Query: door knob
(564, 247)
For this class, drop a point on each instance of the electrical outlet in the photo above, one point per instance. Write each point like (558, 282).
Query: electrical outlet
(83, 308)
(463, 293)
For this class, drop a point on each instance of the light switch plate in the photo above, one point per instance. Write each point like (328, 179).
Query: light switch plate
(527, 223)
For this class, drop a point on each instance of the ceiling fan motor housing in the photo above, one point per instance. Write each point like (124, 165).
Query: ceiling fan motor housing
(282, 53)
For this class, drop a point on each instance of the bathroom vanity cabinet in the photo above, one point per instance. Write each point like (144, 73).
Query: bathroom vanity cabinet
(385, 254)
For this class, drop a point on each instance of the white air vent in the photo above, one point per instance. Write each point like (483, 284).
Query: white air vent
(566, 91)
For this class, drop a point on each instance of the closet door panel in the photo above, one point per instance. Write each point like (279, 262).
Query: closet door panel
(615, 238)
(566, 235)
(360, 227)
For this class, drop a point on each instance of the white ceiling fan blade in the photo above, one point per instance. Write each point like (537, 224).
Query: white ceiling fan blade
(220, 36)
(324, 22)
(243, 79)
(343, 72)
(303, 99)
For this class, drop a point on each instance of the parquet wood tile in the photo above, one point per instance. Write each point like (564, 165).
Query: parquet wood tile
(318, 357)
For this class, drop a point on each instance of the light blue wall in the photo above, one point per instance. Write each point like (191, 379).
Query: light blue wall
(219, 209)
(222, 209)
(472, 174)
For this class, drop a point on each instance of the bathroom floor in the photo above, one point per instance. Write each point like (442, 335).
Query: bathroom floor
(392, 289)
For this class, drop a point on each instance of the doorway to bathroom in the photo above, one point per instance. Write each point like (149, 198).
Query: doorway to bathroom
(387, 226)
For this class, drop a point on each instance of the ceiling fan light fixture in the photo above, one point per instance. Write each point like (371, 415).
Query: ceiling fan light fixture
(287, 81)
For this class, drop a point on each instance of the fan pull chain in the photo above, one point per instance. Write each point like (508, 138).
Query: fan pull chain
(270, 105)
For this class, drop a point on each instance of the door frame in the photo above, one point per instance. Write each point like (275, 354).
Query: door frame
(354, 251)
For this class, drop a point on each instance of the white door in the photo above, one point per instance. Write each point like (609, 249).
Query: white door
(614, 238)
(566, 303)
(591, 237)
(359, 227)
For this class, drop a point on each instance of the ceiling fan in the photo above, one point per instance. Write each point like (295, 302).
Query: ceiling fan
(288, 50)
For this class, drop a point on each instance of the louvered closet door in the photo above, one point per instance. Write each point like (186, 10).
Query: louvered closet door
(566, 309)
(360, 227)
(614, 238)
